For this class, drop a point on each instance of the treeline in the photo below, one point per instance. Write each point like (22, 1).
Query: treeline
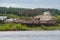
(27, 12)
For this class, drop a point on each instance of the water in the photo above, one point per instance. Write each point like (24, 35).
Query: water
(30, 35)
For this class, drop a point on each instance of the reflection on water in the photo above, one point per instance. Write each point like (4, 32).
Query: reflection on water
(30, 35)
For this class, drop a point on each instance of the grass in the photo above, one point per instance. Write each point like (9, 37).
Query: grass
(19, 27)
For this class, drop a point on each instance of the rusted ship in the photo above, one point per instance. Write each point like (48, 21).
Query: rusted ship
(45, 19)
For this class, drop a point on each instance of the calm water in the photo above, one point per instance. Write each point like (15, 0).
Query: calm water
(30, 35)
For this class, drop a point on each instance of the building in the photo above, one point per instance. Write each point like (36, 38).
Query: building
(3, 17)
(9, 20)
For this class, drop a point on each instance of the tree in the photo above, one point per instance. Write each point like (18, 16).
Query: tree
(58, 19)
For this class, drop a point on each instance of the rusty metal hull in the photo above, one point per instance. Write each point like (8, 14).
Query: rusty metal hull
(30, 23)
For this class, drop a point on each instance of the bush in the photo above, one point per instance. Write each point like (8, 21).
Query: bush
(21, 27)
(18, 27)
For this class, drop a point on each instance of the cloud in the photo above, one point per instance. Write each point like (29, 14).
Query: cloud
(31, 3)
(16, 5)
(27, 5)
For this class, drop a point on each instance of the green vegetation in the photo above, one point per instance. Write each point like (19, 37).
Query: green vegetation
(24, 13)
(19, 27)
(27, 12)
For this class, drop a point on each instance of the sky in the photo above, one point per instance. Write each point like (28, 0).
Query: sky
(31, 3)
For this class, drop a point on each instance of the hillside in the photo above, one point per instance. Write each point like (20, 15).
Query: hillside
(27, 12)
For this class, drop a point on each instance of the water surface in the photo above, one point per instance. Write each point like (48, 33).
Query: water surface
(30, 35)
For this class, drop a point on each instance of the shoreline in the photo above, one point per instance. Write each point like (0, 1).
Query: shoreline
(32, 31)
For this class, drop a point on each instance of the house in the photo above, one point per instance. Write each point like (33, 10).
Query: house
(3, 17)
(9, 20)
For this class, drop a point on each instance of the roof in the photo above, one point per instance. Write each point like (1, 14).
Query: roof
(3, 16)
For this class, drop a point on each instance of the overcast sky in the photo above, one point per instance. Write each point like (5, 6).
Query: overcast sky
(31, 3)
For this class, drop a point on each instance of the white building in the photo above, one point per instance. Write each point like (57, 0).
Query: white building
(3, 17)
(9, 20)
